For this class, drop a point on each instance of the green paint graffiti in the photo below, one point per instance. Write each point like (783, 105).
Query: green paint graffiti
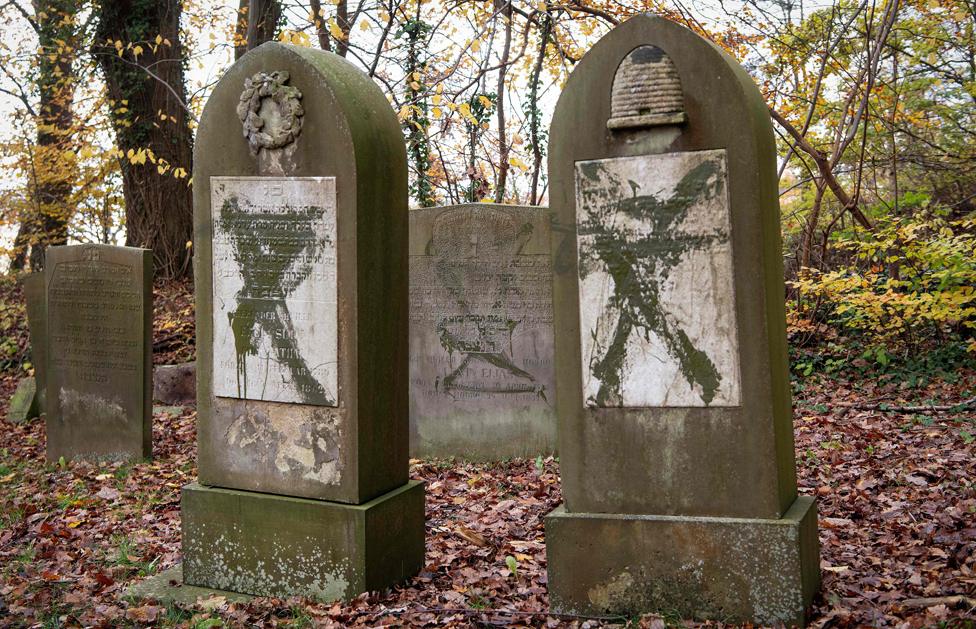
(275, 253)
(639, 262)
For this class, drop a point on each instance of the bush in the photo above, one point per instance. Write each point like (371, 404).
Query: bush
(908, 285)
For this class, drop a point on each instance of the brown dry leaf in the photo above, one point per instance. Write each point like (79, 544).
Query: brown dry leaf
(146, 613)
(107, 493)
(211, 603)
(474, 537)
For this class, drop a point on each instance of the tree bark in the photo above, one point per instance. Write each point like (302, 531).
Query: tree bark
(257, 23)
(53, 158)
(148, 95)
(321, 30)
(505, 13)
(240, 29)
(262, 24)
(534, 114)
(342, 21)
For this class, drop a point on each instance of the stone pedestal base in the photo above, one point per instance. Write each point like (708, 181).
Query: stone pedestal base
(271, 545)
(730, 569)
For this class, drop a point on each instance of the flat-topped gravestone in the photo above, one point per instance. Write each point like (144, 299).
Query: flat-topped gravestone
(672, 389)
(99, 343)
(35, 296)
(300, 244)
(23, 403)
(481, 365)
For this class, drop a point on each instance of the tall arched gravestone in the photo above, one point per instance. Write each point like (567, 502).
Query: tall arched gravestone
(672, 392)
(481, 368)
(300, 215)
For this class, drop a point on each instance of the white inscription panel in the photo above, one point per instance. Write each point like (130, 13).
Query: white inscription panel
(275, 307)
(657, 308)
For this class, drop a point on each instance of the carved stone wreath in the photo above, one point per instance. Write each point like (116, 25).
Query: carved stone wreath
(270, 111)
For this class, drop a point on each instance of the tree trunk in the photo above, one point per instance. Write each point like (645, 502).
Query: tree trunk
(342, 21)
(810, 229)
(148, 95)
(533, 112)
(263, 17)
(240, 29)
(505, 13)
(321, 29)
(53, 158)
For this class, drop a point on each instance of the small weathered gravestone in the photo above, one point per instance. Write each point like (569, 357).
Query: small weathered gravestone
(481, 366)
(300, 244)
(35, 296)
(672, 388)
(99, 346)
(175, 384)
(23, 403)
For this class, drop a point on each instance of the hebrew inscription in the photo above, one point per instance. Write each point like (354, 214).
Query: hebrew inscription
(275, 302)
(657, 309)
(481, 312)
(95, 311)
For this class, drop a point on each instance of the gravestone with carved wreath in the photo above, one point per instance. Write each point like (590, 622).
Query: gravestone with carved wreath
(301, 295)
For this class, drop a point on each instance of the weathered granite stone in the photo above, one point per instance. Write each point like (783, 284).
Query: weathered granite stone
(481, 366)
(35, 296)
(300, 214)
(175, 384)
(99, 325)
(282, 546)
(23, 403)
(672, 390)
(301, 281)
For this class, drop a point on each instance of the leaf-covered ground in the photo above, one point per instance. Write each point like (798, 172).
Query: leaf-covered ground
(896, 489)
(897, 527)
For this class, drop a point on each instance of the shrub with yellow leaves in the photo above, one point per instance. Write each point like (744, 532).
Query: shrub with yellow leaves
(910, 283)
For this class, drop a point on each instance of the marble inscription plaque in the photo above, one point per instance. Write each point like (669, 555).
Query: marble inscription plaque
(481, 313)
(275, 300)
(657, 308)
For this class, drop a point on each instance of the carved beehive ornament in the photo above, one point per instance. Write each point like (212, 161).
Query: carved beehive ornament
(646, 91)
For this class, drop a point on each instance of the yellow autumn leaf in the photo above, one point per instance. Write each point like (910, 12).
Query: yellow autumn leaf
(335, 31)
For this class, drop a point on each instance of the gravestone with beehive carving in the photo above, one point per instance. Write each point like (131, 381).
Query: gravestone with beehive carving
(672, 390)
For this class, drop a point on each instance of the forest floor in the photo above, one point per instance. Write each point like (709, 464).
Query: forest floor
(892, 462)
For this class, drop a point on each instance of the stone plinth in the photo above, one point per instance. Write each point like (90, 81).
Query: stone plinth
(736, 570)
(481, 364)
(270, 545)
